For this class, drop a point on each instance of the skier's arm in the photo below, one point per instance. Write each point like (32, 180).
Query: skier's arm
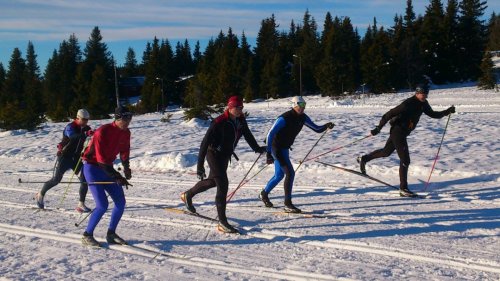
(125, 153)
(277, 126)
(390, 114)
(434, 114)
(310, 124)
(249, 137)
(207, 140)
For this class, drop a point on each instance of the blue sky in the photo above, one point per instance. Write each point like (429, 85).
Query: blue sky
(132, 23)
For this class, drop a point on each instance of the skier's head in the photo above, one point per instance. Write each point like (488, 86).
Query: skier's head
(422, 92)
(82, 117)
(235, 106)
(123, 116)
(298, 104)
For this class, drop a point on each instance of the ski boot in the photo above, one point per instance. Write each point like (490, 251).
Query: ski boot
(263, 196)
(187, 199)
(89, 240)
(39, 200)
(113, 238)
(405, 192)
(290, 208)
(226, 228)
(81, 208)
(362, 164)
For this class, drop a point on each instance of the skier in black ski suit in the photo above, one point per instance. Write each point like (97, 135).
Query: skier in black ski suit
(403, 119)
(68, 158)
(218, 146)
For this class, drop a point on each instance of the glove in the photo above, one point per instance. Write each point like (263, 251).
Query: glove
(122, 181)
(269, 158)
(201, 173)
(261, 149)
(451, 109)
(330, 125)
(89, 133)
(127, 172)
(375, 131)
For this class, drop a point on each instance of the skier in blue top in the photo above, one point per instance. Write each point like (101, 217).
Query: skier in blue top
(279, 140)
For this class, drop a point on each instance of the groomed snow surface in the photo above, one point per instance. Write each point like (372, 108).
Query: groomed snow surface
(362, 230)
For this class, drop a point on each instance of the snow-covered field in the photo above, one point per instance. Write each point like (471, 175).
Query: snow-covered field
(365, 231)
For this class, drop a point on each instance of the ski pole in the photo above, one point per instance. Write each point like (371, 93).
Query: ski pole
(96, 182)
(249, 179)
(228, 198)
(337, 148)
(70, 181)
(437, 154)
(310, 150)
(77, 224)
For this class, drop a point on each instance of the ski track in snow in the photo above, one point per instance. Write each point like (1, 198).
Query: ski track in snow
(363, 231)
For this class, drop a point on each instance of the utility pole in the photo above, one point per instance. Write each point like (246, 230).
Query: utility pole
(116, 87)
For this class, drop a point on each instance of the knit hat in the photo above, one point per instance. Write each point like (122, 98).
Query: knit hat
(122, 112)
(234, 101)
(82, 114)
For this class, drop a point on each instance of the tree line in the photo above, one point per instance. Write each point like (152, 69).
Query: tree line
(447, 44)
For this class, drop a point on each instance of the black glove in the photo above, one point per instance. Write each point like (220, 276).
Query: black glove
(330, 125)
(201, 173)
(122, 181)
(269, 158)
(127, 172)
(375, 131)
(451, 109)
(261, 149)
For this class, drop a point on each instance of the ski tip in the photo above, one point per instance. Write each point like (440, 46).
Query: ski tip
(19, 180)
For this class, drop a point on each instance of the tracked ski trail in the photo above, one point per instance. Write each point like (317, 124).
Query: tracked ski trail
(174, 258)
(355, 246)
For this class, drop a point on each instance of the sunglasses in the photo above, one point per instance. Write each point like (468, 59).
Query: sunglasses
(126, 116)
(301, 104)
(239, 107)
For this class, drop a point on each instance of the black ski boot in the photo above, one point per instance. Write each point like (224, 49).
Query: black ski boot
(405, 192)
(226, 228)
(290, 208)
(264, 198)
(89, 240)
(113, 238)
(362, 163)
(188, 201)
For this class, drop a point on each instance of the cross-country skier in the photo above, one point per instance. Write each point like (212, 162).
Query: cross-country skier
(69, 151)
(279, 141)
(218, 146)
(403, 119)
(108, 141)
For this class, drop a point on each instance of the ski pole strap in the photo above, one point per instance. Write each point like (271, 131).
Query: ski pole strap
(437, 154)
(337, 148)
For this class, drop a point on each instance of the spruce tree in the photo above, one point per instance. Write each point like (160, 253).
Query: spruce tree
(432, 43)
(130, 68)
(56, 108)
(2, 77)
(32, 94)
(472, 37)
(308, 53)
(12, 103)
(265, 52)
(151, 91)
(451, 43)
(99, 103)
(494, 33)
(487, 80)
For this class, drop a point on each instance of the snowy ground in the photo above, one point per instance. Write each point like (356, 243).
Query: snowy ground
(364, 231)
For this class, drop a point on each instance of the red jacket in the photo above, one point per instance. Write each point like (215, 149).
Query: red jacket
(107, 142)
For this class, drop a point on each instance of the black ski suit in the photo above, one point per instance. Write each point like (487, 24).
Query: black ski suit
(403, 119)
(218, 146)
(68, 158)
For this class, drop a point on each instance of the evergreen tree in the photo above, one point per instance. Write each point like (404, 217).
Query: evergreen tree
(57, 110)
(494, 33)
(130, 68)
(2, 77)
(409, 49)
(308, 52)
(432, 43)
(70, 56)
(265, 53)
(96, 55)
(32, 94)
(98, 102)
(487, 80)
(472, 37)
(451, 42)
(196, 55)
(151, 91)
